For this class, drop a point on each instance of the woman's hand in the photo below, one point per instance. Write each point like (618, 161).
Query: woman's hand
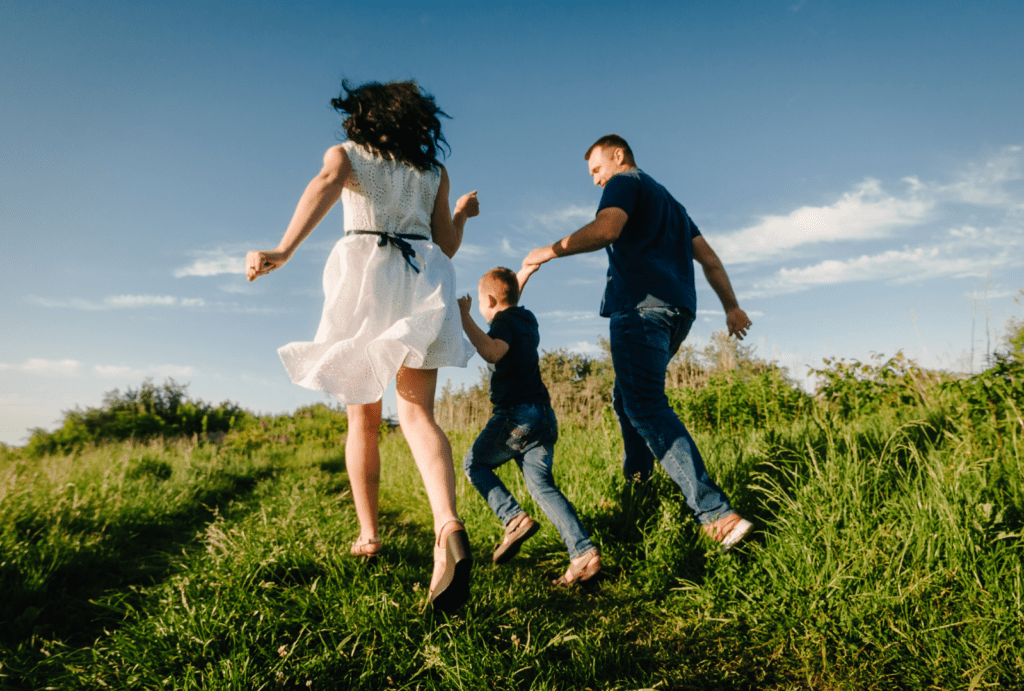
(468, 205)
(260, 263)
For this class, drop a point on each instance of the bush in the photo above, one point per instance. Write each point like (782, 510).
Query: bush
(144, 413)
(741, 400)
(315, 426)
(854, 388)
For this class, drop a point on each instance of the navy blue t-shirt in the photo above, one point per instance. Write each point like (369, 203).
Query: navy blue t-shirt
(516, 376)
(651, 263)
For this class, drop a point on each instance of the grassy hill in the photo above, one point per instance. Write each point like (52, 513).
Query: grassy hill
(889, 550)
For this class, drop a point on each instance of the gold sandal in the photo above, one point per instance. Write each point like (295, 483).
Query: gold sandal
(367, 548)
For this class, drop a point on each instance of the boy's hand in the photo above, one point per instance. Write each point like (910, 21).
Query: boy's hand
(465, 302)
(468, 205)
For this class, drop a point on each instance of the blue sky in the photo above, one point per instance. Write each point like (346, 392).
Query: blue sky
(857, 165)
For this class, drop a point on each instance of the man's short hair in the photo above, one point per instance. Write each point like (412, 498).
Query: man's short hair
(612, 141)
(503, 284)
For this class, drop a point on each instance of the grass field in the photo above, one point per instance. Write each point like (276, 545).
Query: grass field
(888, 555)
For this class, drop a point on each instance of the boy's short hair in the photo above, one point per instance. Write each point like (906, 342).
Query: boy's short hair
(503, 284)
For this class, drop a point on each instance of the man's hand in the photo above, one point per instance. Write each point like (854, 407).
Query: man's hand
(468, 205)
(537, 257)
(737, 322)
(465, 302)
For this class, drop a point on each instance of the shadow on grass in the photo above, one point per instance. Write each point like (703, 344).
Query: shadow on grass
(60, 601)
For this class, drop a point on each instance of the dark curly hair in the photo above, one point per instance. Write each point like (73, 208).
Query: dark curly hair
(398, 120)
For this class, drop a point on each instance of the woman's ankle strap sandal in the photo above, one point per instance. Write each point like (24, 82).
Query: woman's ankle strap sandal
(366, 547)
(452, 591)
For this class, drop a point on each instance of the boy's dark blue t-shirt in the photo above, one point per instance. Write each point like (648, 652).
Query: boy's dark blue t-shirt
(651, 263)
(515, 378)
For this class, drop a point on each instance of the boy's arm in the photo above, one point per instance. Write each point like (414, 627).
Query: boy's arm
(524, 275)
(490, 349)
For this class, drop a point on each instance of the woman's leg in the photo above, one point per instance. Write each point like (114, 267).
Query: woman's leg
(430, 448)
(428, 443)
(362, 460)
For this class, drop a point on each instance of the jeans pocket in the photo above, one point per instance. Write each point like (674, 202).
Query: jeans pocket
(520, 435)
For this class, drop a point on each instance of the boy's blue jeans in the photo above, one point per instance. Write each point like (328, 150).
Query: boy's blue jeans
(525, 433)
(643, 340)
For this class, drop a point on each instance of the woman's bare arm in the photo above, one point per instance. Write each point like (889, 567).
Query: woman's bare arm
(321, 194)
(446, 228)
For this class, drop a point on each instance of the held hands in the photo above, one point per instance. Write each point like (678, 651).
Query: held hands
(465, 302)
(468, 205)
(737, 322)
(537, 257)
(261, 263)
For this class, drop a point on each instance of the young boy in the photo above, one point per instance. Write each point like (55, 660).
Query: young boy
(522, 427)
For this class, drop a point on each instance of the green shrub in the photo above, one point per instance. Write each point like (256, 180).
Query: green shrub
(144, 413)
(741, 400)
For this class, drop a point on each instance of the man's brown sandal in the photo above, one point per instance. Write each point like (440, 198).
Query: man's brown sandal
(727, 531)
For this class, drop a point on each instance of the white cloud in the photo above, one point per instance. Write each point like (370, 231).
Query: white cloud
(140, 301)
(991, 294)
(990, 182)
(868, 212)
(112, 370)
(509, 251)
(41, 366)
(566, 316)
(214, 263)
(865, 213)
(246, 288)
(1001, 250)
(471, 251)
(127, 371)
(567, 218)
(585, 348)
(989, 193)
(720, 313)
(596, 260)
(119, 302)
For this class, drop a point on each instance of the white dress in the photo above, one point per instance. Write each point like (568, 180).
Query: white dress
(379, 312)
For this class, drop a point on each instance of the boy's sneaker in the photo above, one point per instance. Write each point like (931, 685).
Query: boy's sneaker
(519, 530)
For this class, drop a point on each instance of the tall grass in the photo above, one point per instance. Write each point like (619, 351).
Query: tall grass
(888, 555)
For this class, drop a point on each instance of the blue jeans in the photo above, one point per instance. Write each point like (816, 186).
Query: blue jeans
(525, 433)
(643, 340)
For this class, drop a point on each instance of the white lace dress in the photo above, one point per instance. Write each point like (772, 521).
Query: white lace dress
(380, 312)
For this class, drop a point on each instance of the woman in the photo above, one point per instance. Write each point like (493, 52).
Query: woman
(390, 309)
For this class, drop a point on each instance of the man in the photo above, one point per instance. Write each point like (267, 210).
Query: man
(651, 300)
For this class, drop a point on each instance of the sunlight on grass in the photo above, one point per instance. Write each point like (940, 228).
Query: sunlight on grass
(888, 555)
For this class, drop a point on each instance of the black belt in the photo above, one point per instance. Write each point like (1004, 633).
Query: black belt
(398, 240)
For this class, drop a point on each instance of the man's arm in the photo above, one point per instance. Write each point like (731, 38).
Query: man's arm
(596, 235)
(490, 349)
(735, 319)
